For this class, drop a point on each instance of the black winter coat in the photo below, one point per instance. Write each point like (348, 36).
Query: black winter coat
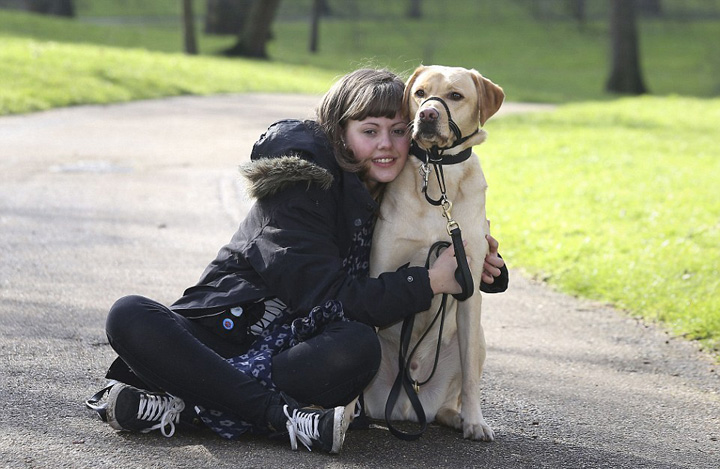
(292, 243)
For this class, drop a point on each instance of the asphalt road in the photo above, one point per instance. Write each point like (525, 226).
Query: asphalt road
(101, 201)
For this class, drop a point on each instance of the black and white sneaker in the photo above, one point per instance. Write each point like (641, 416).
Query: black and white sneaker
(319, 428)
(132, 409)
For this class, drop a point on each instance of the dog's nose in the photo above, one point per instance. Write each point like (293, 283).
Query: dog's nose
(428, 115)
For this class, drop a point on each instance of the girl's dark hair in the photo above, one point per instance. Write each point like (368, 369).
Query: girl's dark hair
(356, 96)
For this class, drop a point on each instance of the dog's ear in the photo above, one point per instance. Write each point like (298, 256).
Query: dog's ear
(490, 96)
(408, 92)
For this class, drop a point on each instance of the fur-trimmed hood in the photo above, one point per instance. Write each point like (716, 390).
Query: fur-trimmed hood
(268, 176)
(286, 154)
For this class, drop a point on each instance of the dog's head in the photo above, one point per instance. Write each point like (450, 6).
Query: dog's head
(471, 99)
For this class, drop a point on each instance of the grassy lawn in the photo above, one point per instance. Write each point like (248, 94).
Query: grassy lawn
(616, 201)
(549, 61)
(543, 61)
(612, 199)
(96, 74)
(54, 62)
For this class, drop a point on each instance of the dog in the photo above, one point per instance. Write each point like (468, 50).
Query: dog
(435, 97)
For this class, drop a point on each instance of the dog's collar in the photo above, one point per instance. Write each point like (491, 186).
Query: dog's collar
(423, 155)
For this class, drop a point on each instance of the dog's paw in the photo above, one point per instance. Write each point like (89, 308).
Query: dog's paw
(450, 418)
(479, 431)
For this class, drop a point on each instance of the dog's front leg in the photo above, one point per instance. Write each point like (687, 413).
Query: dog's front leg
(471, 339)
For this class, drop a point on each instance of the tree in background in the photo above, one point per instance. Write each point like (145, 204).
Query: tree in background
(625, 76)
(650, 7)
(226, 16)
(51, 7)
(189, 28)
(315, 24)
(414, 10)
(255, 32)
(319, 9)
(578, 12)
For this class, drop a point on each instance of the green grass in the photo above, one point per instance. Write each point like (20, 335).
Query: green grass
(550, 61)
(617, 202)
(133, 8)
(32, 79)
(546, 61)
(163, 36)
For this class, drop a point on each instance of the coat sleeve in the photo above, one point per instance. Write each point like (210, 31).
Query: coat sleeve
(500, 284)
(296, 254)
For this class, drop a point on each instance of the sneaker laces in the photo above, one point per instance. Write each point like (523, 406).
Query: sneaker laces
(302, 426)
(164, 408)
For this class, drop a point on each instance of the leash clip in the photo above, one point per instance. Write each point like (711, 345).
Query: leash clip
(446, 208)
(451, 226)
(425, 173)
(416, 387)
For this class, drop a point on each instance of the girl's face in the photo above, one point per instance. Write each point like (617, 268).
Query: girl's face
(381, 145)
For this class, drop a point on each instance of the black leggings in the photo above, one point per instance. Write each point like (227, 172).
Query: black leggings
(175, 354)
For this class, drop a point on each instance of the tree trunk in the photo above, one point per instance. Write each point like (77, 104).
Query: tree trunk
(650, 7)
(51, 7)
(315, 24)
(325, 9)
(578, 12)
(625, 76)
(13, 4)
(226, 16)
(189, 28)
(414, 10)
(256, 30)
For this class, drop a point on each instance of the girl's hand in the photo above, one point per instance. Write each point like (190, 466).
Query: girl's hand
(493, 262)
(442, 273)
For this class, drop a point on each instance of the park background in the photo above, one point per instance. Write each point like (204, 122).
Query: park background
(611, 196)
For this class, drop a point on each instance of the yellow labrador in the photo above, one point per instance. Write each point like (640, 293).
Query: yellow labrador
(408, 225)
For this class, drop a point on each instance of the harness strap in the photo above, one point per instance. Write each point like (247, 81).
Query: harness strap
(422, 155)
(440, 176)
(454, 128)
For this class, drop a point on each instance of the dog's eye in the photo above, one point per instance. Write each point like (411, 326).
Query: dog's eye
(420, 93)
(455, 96)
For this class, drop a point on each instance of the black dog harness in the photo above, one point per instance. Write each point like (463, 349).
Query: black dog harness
(435, 157)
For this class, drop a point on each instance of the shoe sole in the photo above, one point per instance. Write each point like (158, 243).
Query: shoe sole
(342, 421)
(112, 400)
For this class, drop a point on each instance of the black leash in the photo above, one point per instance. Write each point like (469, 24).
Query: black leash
(436, 157)
(403, 381)
(462, 274)
(93, 402)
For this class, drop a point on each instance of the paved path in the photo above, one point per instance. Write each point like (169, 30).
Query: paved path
(101, 201)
